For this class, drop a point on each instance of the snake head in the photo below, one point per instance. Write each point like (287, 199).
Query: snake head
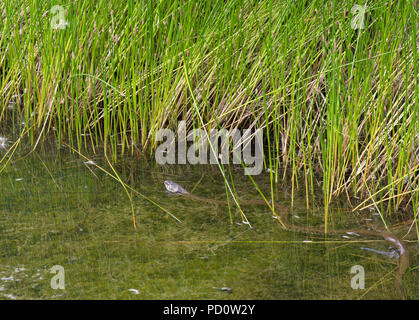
(174, 187)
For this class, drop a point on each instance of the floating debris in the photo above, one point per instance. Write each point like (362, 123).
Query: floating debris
(90, 163)
(225, 289)
(346, 237)
(352, 233)
(295, 216)
(18, 179)
(134, 291)
(307, 241)
(11, 278)
(10, 296)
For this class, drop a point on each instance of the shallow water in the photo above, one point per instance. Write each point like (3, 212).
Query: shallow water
(57, 210)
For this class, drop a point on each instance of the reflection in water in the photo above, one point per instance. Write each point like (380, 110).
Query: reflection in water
(59, 209)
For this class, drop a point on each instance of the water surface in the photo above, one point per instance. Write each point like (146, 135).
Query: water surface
(58, 210)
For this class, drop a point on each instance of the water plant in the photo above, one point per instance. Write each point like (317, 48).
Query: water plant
(337, 99)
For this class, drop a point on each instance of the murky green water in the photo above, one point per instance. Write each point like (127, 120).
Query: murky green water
(56, 210)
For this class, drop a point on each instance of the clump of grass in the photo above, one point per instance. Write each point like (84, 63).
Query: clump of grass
(332, 99)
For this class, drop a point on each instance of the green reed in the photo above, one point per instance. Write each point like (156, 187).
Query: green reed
(334, 101)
